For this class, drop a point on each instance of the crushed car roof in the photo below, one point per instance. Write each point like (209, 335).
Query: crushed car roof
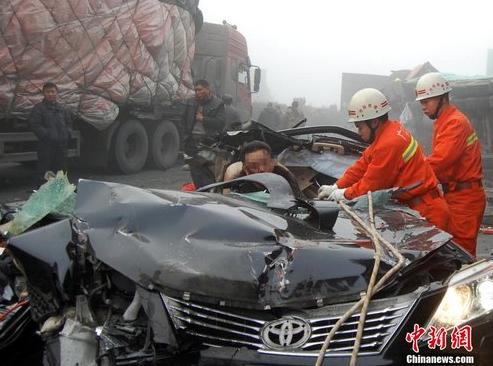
(260, 257)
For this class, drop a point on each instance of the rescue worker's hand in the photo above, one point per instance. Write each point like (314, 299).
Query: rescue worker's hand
(325, 191)
(338, 195)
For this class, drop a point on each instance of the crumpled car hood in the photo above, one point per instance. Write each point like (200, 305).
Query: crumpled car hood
(219, 249)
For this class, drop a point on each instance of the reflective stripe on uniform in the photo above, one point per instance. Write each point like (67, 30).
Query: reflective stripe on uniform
(472, 139)
(410, 150)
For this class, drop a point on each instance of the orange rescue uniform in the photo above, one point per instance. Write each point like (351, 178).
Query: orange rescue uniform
(456, 161)
(395, 159)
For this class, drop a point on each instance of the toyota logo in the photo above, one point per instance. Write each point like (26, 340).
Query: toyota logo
(286, 333)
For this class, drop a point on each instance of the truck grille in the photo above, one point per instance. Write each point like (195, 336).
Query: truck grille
(296, 333)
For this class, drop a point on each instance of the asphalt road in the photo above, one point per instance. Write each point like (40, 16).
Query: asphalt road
(17, 182)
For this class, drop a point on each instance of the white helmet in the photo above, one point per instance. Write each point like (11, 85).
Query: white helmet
(431, 85)
(367, 104)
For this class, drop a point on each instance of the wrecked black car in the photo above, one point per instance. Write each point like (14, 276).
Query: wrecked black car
(135, 276)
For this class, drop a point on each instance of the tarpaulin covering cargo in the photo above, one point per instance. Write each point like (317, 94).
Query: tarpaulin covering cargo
(103, 54)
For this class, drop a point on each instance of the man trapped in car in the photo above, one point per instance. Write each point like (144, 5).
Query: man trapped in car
(455, 159)
(394, 159)
(203, 117)
(256, 157)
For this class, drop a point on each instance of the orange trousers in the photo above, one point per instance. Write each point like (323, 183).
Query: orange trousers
(436, 211)
(466, 213)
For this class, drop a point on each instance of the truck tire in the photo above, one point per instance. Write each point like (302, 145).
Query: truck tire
(165, 145)
(130, 147)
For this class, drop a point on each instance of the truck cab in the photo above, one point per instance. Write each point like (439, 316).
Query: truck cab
(221, 57)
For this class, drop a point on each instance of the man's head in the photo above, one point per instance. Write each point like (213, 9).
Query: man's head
(295, 104)
(367, 129)
(257, 158)
(202, 90)
(432, 92)
(368, 110)
(50, 92)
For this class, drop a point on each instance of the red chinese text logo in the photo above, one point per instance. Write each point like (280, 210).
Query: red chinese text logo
(459, 337)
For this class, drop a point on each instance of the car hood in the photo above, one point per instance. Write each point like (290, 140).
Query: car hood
(219, 249)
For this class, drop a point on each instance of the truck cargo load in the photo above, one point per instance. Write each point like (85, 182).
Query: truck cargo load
(101, 54)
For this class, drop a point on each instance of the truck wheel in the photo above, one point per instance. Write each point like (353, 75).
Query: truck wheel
(165, 145)
(130, 147)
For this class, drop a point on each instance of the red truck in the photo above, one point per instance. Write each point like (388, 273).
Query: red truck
(221, 57)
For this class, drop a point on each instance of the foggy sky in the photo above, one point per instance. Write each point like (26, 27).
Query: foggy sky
(304, 46)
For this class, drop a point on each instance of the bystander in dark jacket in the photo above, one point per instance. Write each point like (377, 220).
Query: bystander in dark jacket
(270, 117)
(51, 123)
(293, 115)
(202, 119)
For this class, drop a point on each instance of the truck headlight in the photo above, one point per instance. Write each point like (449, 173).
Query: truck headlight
(469, 295)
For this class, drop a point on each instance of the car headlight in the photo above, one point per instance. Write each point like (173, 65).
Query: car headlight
(469, 295)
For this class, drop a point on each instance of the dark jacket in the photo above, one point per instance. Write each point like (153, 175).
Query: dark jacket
(232, 119)
(269, 116)
(51, 123)
(213, 112)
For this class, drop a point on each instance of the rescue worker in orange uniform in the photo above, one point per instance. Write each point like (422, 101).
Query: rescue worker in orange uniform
(394, 159)
(455, 159)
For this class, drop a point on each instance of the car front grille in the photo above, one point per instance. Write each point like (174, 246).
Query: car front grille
(295, 332)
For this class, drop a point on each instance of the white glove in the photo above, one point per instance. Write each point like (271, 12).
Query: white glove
(325, 191)
(338, 195)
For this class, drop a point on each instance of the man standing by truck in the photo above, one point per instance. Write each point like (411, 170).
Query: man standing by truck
(455, 159)
(203, 118)
(293, 115)
(51, 123)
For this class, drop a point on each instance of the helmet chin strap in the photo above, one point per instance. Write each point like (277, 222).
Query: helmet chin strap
(437, 109)
(373, 130)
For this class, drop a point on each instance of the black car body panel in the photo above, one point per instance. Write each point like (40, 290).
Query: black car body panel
(192, 241)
